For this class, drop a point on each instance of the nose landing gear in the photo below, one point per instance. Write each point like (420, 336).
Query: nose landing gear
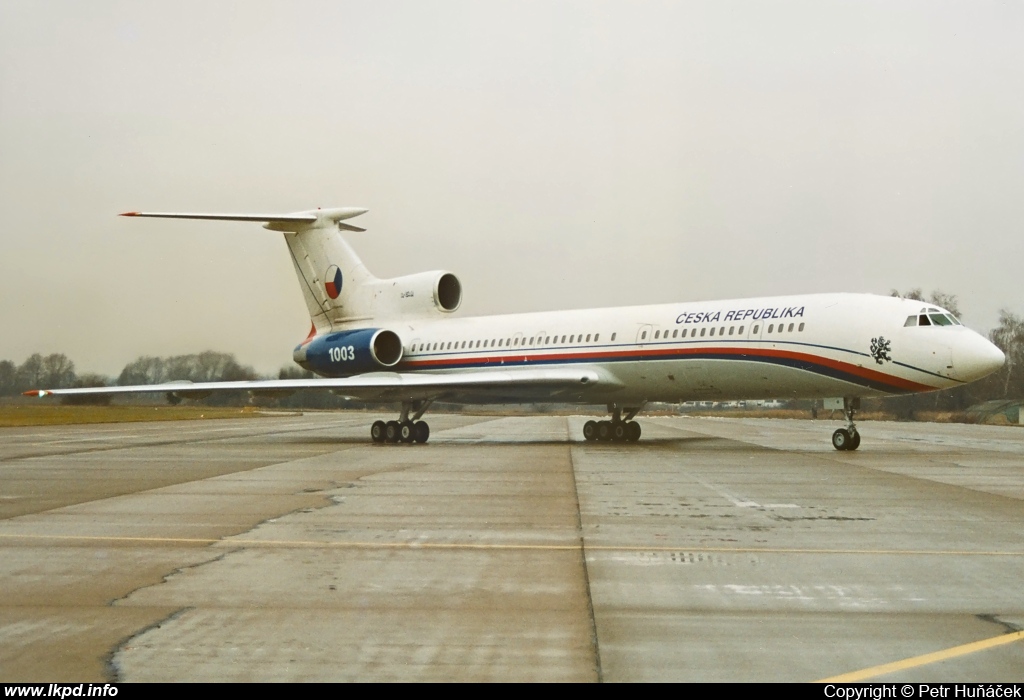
(618, 429)
(406, 429)
(847, 439)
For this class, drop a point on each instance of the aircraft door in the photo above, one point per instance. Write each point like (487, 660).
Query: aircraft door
(645, 334)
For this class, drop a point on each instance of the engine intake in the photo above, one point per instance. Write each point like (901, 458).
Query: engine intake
(348, 353)
(448, 292)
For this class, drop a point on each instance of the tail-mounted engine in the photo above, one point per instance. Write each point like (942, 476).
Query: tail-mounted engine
(418, 295)
(349, 353)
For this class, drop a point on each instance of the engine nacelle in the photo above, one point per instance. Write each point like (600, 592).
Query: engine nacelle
(418, 295)
(348, 353)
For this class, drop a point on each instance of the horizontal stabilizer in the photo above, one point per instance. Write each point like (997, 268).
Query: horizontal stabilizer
(265, 218)
(276, 222)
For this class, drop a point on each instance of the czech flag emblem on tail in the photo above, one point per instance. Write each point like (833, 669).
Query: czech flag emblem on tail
(333, 283)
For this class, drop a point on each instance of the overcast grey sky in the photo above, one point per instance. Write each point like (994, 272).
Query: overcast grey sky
(552, 154)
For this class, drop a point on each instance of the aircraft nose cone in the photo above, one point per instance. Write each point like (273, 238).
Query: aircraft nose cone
(979, 359)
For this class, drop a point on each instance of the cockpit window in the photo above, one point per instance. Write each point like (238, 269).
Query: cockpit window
(932, 318)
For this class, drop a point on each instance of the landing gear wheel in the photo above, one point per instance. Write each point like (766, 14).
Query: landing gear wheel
(619, 432)
(421, 431)
(604, 430)
(377, 431)
(406, 432)
(392, 431)
(842, 440)
(632, 431)
(590, 430)
(854, 442)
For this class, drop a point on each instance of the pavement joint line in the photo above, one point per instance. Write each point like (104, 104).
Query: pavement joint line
(497, 545)
(586, 569)
(924, 659)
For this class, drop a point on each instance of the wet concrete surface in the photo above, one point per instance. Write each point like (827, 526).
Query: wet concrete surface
(289, 548)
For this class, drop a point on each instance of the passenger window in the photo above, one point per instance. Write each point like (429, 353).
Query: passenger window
(721, 331)
(741, 330)
(712, 331)
(791, 328)
(771, 328)
(613, 336)
(702, 332)
(731, 329)
(588, 337)
(801, 328)
(756, 329)
(643, 336)
(684, 333)
(597, 337)
(675, 333)
(563, 338)
(657, 334)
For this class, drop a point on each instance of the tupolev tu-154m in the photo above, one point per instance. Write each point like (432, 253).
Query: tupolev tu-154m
(399, 340)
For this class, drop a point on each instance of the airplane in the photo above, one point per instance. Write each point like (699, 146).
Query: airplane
(398, 340)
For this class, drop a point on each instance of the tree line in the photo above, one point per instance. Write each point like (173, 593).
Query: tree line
(57, 371)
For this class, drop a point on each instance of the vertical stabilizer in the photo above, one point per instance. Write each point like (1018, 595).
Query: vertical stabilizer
(330, 275)
(334, 281)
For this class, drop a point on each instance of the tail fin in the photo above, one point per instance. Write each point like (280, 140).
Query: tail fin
(329, 271)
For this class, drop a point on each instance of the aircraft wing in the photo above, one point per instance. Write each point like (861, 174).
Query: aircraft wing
(482, 386)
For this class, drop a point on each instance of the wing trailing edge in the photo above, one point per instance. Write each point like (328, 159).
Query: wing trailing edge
(384, 385)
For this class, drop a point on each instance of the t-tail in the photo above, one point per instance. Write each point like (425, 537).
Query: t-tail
(340, 293)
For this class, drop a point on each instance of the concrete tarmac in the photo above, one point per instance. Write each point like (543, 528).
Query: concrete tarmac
(291, 549)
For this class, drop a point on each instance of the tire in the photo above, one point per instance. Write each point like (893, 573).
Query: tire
(392, 431)
(633, 431)
(377, 431)
(604, 430)
(590, 430)
(619, 432)
(854, 442)
(841, 439)
(406, 432)
(422, 431)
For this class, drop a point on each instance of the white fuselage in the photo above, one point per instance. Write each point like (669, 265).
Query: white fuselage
(810, 346)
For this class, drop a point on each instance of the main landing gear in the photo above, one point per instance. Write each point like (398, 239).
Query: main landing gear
(847, 438)
(618, 429)
(406, 429)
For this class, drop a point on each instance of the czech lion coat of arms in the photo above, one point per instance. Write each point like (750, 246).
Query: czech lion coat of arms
(880, 348)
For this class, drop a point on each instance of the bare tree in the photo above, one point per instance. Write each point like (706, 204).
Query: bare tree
(30, 373)
(1009, 337)
(8, 378)
(938, 297)
(915, 294)
(58, 371)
